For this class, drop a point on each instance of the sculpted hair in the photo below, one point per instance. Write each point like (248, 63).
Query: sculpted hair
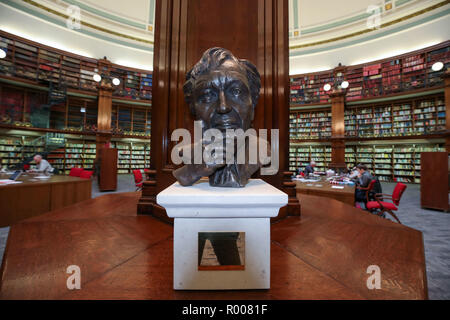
(214, 58)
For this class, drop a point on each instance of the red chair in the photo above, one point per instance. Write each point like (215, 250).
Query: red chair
(86, 174)
(388, 207)
(138, 180)
(76, 172)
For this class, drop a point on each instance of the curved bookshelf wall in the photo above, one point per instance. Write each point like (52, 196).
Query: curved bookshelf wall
(44, 90)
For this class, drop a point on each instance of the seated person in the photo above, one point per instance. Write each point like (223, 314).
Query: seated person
(42, 165)
(310, 168)
(362, 181)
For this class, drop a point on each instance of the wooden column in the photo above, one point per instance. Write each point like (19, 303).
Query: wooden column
(447, 109)
(337, 130)
(254, 30)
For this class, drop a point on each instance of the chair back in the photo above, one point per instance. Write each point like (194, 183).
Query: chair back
(76, 172)
(86, 174)
(137, 176)
(398, 192)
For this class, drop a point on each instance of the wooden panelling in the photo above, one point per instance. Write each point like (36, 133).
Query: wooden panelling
(447, 109)
(337, 130)
(346, 195)
(108, 169)
(69, 193)
(389, 77)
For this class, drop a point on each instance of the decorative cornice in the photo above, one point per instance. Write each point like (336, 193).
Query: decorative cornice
(384, 25)
(107, 15)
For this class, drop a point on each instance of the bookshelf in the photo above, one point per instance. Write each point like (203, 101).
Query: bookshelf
(403, 119)
(75, 154)
(132, 155)
(134, 84)
(124, 155)
(300, 155)
(14, 148)
(391, 162)
(429, 115)
(41, 64)
(21, 108)
(439, 54)
(314, 124)
(35, 62)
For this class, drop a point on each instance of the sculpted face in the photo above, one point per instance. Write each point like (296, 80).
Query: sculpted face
(222, 98)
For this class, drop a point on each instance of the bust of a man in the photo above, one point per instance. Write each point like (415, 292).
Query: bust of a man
(222, 92)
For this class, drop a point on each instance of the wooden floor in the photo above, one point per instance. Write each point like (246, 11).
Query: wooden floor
(323, 188)
(33, 197)
(322, 255)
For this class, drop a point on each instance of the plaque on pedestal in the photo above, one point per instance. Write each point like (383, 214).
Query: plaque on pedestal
(222, 235)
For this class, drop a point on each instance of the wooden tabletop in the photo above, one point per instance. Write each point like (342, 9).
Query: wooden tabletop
(324, 254)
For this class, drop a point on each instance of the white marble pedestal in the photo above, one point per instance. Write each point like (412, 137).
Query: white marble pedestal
(202, 208)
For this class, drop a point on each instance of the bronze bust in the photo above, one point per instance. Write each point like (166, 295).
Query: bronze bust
(222, 92)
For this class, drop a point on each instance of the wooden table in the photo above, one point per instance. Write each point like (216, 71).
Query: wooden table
(34, 196)
(324, 254)
(323, 188)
